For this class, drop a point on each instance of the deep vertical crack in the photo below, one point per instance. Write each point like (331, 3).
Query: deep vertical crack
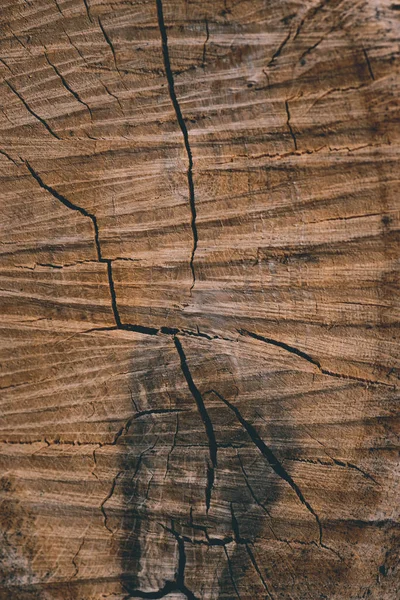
(182, 125)
(205, 417)
(180, 573)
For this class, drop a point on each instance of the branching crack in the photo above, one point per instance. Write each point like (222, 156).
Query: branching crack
(178, 584)
(310, 14)
(273, 461)
(106, 261)
(174, 331)
(157, 411)
(212, 443)
(139, 463)
(182, 125)
(122, 110)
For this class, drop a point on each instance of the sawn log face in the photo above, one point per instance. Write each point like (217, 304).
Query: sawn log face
(198, 281)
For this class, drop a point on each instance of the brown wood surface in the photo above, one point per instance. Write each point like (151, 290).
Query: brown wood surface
(199, 299)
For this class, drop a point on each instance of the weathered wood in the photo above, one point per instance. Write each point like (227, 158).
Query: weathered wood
(198, 275)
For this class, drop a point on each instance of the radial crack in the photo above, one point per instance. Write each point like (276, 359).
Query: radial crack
(106, 261)
(277, 53)
(68, 204)
(203, 62)
(76, 567)
(255, 565)
(369, 65)
(29, 109)
(109, 42)
(172, 446)
(10, 158)
(308, 358)
(256, 500)
(231, 573)
(288, 123)
(106, 499)
(212, 443)
(279, 344)
(273, 461)
(68, 87)
(86, 3)
(182, 125)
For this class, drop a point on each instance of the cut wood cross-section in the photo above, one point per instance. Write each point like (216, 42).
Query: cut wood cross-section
(199, 316)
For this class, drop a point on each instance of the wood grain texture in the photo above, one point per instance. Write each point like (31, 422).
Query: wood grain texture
(199, 299)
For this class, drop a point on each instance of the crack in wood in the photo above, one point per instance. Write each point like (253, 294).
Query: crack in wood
(185, 134)
(274, 463)
(31, 111)
(205, 417)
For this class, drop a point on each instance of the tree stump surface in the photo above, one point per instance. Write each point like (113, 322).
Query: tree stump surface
(198, 279)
